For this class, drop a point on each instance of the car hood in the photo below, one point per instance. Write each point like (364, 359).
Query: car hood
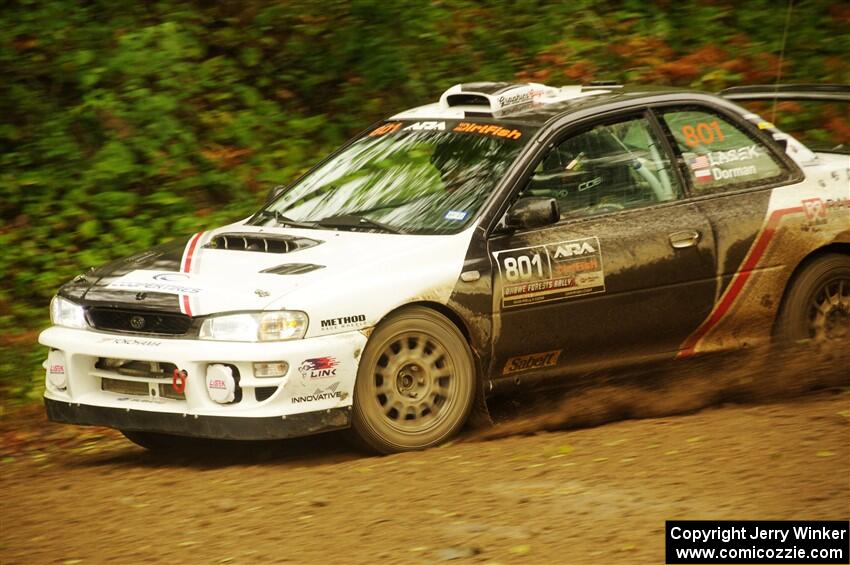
(244, 268)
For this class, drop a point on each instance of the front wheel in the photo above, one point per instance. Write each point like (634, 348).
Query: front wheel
(818, 304)
(416, 383)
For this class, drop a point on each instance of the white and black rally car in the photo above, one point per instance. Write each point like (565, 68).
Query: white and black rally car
(506, 233)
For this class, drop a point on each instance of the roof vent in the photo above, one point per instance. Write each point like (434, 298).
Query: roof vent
(496, 97)
(262, 243)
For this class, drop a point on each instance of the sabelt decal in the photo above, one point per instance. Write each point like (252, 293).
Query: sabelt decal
(554, 271)
(533, 361)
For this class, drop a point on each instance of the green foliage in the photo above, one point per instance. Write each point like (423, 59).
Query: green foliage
(127, 124)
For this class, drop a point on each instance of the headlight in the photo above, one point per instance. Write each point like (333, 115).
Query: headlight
(259, 326)
(65, 313)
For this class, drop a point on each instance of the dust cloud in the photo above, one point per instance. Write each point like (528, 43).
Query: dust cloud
(750, 376)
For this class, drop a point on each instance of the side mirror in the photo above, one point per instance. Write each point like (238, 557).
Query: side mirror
(275, 192)
(533, 212)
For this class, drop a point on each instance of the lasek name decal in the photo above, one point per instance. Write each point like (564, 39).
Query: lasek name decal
(555, 271)
(533, 361)
(707, 167)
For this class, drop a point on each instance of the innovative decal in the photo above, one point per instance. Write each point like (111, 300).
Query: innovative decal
(533, 361)
(320, 394)
(554, 271)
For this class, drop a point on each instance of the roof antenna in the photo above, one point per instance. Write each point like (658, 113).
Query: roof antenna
(781, 57)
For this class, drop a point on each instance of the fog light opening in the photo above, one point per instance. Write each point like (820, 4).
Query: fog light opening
(271, 369)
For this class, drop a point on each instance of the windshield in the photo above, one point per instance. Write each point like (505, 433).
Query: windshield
(406, 177)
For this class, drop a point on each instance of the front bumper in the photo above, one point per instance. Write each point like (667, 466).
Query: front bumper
(218, 427)
(301, 402)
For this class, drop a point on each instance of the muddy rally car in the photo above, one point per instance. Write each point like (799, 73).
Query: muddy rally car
(504, 234)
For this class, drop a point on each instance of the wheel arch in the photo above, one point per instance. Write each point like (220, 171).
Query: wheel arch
(454, 317)
(839, 247)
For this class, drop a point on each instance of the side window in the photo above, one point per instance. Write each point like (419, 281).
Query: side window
(717, 155)
(608, 168)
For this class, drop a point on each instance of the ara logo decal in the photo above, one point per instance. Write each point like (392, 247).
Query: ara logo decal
(318, 367)
(573, 249)
(426, 126)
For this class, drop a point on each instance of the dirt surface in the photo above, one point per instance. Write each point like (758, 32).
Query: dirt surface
(596, 495)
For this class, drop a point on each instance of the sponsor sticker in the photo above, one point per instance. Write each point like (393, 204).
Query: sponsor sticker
(702, 133)
(385, 129)
(426, 126)
(816, 211)
(455, 215)
(554, 271)
(130, 341)
(318, 367)
(533, 361)
(343, 322)
(488, 129)
(155, 281)
(320, 394)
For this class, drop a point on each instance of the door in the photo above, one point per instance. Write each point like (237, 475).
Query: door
(628, 271)
(731, 174)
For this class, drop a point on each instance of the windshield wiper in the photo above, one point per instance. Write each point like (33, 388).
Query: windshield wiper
(356, 221)
(284, 221)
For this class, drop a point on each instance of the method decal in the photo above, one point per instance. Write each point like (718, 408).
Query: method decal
(554, 271)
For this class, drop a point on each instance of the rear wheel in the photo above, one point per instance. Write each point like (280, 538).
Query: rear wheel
(416, 383)
(818, 304)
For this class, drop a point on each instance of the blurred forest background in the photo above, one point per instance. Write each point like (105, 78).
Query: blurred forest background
(126, 124)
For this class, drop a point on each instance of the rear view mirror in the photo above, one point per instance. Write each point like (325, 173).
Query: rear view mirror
(533, 212)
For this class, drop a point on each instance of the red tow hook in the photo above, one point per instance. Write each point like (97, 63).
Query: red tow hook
(178, 380)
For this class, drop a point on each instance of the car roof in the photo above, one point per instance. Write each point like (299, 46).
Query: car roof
(556, 104)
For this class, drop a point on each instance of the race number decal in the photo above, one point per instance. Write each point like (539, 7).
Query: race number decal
(702, 133)
(554, 271)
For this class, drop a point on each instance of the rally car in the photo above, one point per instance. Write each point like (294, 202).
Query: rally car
(506, 233)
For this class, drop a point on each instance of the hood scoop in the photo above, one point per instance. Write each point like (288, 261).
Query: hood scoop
(260, 242)
(293, 269)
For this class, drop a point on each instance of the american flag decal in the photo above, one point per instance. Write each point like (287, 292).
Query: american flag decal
(698, 162)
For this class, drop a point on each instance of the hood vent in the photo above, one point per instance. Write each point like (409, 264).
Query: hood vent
(293, 269)
(260, 242)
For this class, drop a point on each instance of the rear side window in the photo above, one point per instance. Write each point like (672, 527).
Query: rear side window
(717, 155)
